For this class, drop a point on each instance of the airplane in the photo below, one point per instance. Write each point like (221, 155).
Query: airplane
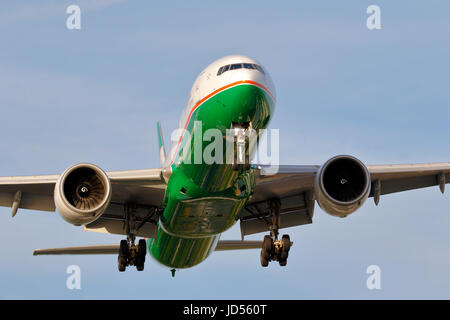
(181, 209)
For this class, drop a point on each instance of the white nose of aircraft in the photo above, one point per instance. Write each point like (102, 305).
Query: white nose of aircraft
(228, 70)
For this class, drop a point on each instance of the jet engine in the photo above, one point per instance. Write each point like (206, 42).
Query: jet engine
(82, 194)
(342, 185)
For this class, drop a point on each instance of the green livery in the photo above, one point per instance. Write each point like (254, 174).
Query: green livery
(204, 200)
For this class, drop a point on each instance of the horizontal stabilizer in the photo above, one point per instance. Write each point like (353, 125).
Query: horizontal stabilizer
(225, 245)
(101, 249)
(114, 249)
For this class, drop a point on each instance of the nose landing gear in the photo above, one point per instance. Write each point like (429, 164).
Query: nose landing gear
(241, 146)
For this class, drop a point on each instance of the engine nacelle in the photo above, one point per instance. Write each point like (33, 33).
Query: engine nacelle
(342, 185)
(82, 193)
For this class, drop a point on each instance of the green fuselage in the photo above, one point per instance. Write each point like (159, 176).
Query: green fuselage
(203, 200)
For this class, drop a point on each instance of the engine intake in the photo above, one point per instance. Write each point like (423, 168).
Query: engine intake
(82, 194)
(342, 185)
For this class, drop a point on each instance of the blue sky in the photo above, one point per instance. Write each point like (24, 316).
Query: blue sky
(95, 95)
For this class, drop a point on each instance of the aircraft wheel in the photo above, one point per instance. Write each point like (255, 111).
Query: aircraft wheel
(121, 264)
(123, 256)
(282, 262)
(267, 247)
(142, 247)
(140, 259)
(264, 260)
(123, 249)
(285, 247)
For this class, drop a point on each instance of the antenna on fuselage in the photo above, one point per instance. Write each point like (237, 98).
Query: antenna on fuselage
(162, 150)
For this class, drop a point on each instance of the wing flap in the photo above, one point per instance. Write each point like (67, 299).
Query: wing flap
(113, 221)
(293, 186)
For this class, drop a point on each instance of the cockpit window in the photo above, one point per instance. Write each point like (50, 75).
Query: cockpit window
(236, 66)
(223, 69)
(259, 68)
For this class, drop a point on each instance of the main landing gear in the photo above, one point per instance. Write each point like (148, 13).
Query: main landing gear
(131, 254)
(274, 249)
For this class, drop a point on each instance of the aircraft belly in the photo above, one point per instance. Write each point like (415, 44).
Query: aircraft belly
(193, 212)
(203, 200)
(178, 252)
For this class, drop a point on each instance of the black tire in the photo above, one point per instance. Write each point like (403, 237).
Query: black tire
(121, 264)
(142, 248)
(264, 261)
(140, 259)
(286, 242)
(283, 262)
(267, 247)
(123, 250)
(122, 261)
(140, 267)
(285, 247)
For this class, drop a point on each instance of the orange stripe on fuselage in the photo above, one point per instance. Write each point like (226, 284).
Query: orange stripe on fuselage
(212, 94)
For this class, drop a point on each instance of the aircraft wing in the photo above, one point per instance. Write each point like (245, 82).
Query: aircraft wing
(143, 188)
(294, 186)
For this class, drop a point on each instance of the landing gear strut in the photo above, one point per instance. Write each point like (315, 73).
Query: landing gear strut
(274, 249)
(242, 146)
(130, 253)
